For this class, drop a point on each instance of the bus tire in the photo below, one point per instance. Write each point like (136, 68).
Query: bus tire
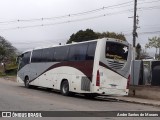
(26, 82)
(65, 88)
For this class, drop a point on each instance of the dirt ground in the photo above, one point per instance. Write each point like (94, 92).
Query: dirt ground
(11, 78)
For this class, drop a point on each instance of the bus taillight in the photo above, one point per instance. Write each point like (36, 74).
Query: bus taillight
(129, 78)
(98, 79)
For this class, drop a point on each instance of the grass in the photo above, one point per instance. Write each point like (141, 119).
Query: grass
(2, 74)
(8, 74)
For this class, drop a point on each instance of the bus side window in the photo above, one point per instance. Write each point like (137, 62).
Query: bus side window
(61, 53)
(91, 51)
(47, 55)
(71, 55)
(36, 55)
(78, 52)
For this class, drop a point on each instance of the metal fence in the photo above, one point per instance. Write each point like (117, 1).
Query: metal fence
(146, 72)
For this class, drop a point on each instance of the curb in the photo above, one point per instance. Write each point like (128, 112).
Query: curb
(136, 102)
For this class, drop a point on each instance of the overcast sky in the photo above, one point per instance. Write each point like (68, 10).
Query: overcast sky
(30, 37)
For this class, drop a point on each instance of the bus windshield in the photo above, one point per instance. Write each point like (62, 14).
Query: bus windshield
(116, 51)
(24, 59)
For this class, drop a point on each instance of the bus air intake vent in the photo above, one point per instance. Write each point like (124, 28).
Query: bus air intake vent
(85, 84)
(115, 65)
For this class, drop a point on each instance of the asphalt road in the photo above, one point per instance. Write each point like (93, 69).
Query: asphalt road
(15, 97)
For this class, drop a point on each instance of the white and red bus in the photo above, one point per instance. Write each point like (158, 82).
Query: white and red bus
(96, 67)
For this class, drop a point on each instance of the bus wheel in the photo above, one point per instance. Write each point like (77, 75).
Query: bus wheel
(65, 88)
(26, 82)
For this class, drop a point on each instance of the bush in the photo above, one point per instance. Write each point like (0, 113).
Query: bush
(2, 74)
(11, 72)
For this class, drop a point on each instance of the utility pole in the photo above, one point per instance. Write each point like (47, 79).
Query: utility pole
(134, 40)
(135, 23)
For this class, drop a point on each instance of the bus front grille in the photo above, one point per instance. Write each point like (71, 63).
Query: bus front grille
(85, 84)
(115, 65)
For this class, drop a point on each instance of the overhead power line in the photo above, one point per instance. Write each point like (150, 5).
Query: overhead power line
(144, 1)
(154, 32)
(150, 7)
(77, 20)
(69, 15)
(81, 19)
(70, 21)
(84, 19)
(125, 4)
(143, 33)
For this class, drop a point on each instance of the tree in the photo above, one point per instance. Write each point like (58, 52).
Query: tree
(81, 35)
(138, 51)
(7, 51)
(154, 42)
(111, 35)
(89, 34)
